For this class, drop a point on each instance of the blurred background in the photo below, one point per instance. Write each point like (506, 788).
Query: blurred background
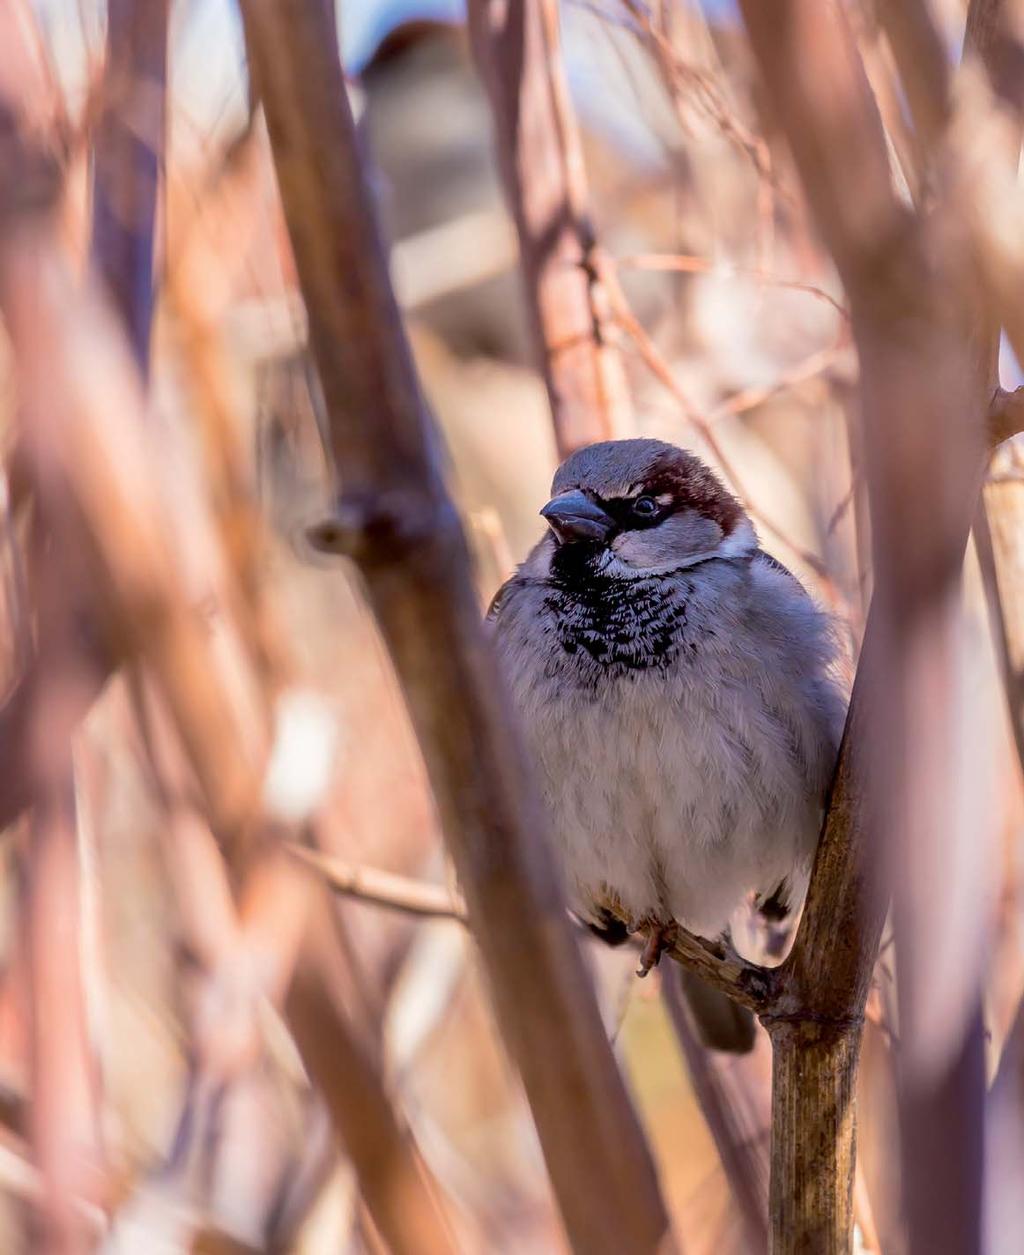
(201, 1129)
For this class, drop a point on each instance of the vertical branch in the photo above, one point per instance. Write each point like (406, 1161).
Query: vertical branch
(396, 519)
(518, 50)
(999, 539)
(128, 155)
(815, 1027)
(63, 1119)
(1005, 1145)
(64, 1115)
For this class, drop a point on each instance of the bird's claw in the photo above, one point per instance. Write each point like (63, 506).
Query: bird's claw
(657, 939)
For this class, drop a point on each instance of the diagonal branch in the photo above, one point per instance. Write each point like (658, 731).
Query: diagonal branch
(714, 961)
(415, 564)
(717, 964)
(370, 884)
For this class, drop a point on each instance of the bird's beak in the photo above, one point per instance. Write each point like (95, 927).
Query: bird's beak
(573, 516)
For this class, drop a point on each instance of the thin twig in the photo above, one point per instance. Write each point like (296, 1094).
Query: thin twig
(663, 373)
(370, 884)
(719, 965)
(683, 264)
(677, 74)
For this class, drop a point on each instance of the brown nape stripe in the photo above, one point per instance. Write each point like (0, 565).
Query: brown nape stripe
(694, 486)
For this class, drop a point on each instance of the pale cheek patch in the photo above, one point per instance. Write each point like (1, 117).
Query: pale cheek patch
(670, 543)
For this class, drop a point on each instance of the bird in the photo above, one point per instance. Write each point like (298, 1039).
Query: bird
(680, 694)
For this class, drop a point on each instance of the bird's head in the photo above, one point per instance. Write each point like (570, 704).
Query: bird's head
(635, 508)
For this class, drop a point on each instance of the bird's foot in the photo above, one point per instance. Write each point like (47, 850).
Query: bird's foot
(658, 936)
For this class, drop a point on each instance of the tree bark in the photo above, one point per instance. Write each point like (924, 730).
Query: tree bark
(814, 1070)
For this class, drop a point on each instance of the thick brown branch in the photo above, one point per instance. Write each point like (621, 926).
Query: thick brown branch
(419, 583)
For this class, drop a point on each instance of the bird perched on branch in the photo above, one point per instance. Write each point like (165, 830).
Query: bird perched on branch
(678, 693)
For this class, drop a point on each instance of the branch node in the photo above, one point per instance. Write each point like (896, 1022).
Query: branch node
(383, 527)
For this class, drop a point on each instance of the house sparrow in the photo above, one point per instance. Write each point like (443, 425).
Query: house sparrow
(678, 693)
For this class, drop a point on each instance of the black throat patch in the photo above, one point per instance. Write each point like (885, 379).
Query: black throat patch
(620, 625)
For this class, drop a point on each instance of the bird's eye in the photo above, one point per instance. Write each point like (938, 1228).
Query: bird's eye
(645, 506)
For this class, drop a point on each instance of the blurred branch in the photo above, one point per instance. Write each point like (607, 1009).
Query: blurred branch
(680, 263)
(369, 884)
(64, 1104)
(680, 77)
(129, 151)
(395, 516)
(1004, 1149)
(91, 464)
(981, 152)
(915, 377)
(22, 1179)
(518, 50)
(28, 79)
(199, 279)
(918, 46)
(18, 780)
(391, 1178)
